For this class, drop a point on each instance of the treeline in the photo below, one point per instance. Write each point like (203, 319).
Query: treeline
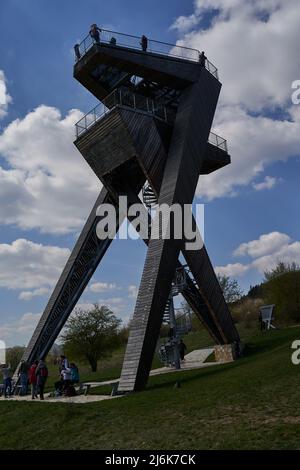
(280, 286)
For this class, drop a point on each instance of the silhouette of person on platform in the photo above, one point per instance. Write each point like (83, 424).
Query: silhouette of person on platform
(95, 33)
(77, 51)
(202, 59)
(144, 43)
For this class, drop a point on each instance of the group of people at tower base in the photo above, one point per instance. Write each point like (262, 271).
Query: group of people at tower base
(36, 376)
(95, 33)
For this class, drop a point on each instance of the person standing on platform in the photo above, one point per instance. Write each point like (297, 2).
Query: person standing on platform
(77, 51)
(144, 43)
(95, 33)
(202, 59)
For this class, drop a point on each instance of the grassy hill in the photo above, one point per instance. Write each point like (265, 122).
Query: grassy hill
(250, 404)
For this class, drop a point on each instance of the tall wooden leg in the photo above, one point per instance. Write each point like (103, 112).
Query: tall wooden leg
(192, 126)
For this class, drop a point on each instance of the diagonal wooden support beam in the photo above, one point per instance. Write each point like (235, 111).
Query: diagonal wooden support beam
(192, 126)
(81, 265)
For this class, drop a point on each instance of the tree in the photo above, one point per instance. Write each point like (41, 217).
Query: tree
(255, 292)
(14, 356)
(230, 287)
(91, 335)
(281, 268)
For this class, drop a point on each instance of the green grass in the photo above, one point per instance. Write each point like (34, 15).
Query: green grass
(252, 403)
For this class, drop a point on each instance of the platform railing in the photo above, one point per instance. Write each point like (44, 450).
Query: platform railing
(116, 39)
(218, 141)
(127, 99)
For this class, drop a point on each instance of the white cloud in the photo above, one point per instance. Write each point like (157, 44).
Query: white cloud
(266, 252)
(232, 270)
(112, 300)
(288, 253)
(268, 183)
(133, 291)
(265, 244)
(102, 286)
(254, 143)
(48, 186)
(19, 331)
(185, 23)
(5, 98)
(28, 265)
(255, 46)
(30, 294)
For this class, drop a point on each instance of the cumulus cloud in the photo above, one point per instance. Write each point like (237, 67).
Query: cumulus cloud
(47, 185)
(102, 286)
(254, 143)
(255, 46)
(287, 253)
(252, 44)
(232, 270)
(184, 23)
(268, 183)
(265, 244)
(19, 331)
(30, 294)
(5, 98)
(28, 265)
(265, 252)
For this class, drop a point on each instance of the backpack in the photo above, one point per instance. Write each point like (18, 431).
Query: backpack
(43, 371)
(70, 391)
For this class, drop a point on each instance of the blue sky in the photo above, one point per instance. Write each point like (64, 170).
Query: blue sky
(251, 208)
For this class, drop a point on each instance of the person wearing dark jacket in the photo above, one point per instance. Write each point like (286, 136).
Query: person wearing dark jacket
(23, 374)
(95, 33)
(32, 378)
(7, 384)
(41, 375)
(77, 51)
(144, 43)
(74, 373)
(182, 348)
(202, 59)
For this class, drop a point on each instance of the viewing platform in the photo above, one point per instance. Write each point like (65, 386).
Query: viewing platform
(137, 102)
(117, 59)
(128, 41)
(112, 118)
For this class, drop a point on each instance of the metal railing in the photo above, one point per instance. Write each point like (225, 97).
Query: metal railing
(116, 39)
(127, 99)
(122, 98)
(218, 141)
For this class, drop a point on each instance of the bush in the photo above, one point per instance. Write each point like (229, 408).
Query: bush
(246, 310)
(284, 291)
(14, 356)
